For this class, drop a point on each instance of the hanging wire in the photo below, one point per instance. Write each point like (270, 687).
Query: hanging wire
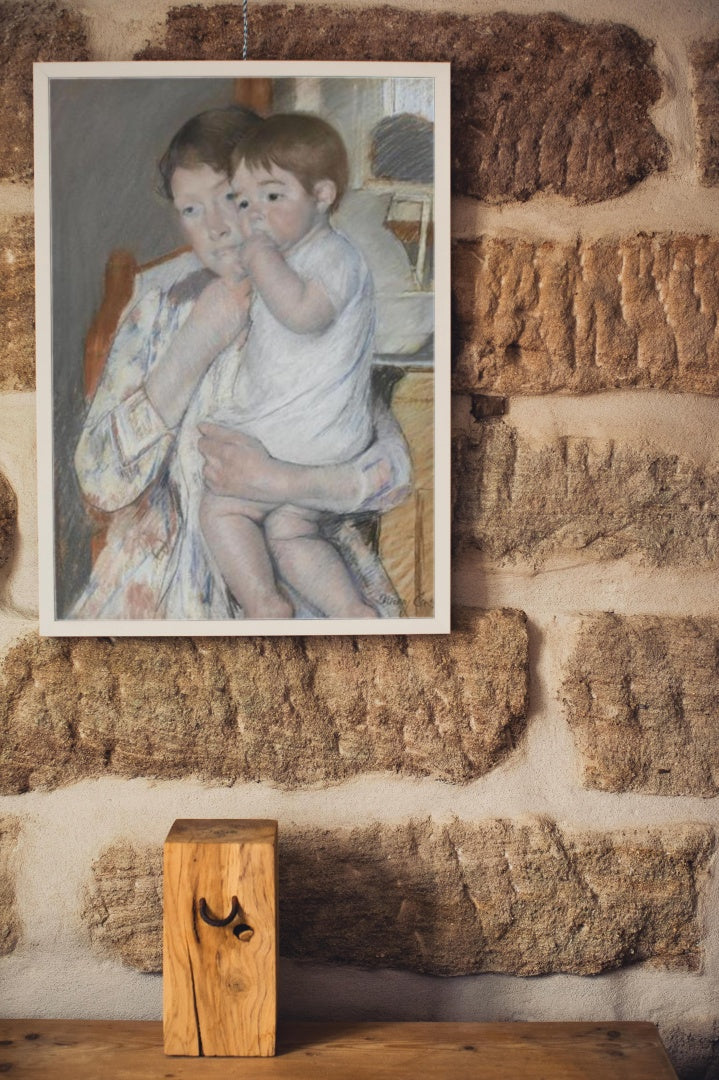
(244, 29)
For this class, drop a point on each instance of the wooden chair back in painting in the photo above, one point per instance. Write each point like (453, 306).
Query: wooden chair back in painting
(120, 273)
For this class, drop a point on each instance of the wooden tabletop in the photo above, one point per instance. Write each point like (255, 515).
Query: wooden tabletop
(119, 1050)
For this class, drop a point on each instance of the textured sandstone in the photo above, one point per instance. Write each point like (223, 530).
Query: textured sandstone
(705, 60)
(642, 697)
(539, 102)
(516, 500)
(518, 897)
(123, 905)
(290, 710)
(17, 304)
(535, 317)
(9, 920)
(8, 520)
(29, 33)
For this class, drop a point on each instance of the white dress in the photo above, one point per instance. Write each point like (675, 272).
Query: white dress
(306, 397)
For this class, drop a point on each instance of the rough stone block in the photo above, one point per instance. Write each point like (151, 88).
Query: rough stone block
(521, 897)
(642, 698)
(9, 919)
(705, 62)
(8, 520)
(516, 500)
(123, 904)
(29, 33)
(17, 303)
(537, 317)
(539, 102)
(289, 710)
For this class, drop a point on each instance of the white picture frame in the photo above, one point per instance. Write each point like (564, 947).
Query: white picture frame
(99, 131)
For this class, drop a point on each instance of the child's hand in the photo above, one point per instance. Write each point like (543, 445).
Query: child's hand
(255, 243)
(230, 266)
(221, 312)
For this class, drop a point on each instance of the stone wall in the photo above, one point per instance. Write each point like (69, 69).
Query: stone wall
(533, 795)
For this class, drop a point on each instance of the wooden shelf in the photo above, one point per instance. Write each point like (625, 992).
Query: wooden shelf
(119, 1050)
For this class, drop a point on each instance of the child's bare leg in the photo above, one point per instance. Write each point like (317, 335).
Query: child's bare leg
(234, 535)
(312, 565)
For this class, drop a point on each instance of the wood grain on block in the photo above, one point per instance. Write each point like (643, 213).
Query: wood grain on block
(642, 698)
(17, 302)
(220, 982)
(534, 317)
(705, 62)
(287, 710)
(539, 102)
(521, 897)
(516, 500)
(30, 32)
(72, 1049)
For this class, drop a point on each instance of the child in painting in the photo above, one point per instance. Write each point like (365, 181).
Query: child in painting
(303, 386)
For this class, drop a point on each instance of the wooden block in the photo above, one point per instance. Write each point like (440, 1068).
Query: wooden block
(220, 982)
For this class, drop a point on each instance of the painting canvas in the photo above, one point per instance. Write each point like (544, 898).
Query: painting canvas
(243, 348)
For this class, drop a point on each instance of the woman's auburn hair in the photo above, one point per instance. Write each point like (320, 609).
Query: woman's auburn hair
(209, 138)
(300, 143)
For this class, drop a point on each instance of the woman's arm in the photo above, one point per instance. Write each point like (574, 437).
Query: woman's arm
(149, 377)
(378, 479)
(124, 442)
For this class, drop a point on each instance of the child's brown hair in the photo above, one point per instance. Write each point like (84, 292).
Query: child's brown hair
(302, 144)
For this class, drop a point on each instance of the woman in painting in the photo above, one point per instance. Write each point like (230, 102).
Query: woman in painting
(177, 346)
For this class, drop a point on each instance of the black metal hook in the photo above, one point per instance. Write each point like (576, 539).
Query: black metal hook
(206, 917)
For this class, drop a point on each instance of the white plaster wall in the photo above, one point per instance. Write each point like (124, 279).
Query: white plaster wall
(54, 973)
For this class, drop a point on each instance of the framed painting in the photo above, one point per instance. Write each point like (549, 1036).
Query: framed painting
(243, 345)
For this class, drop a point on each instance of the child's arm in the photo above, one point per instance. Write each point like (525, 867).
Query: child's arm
(302, 306)
(218, 318)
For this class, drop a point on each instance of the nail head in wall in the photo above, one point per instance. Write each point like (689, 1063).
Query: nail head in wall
(486, 407)
(540, 102)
